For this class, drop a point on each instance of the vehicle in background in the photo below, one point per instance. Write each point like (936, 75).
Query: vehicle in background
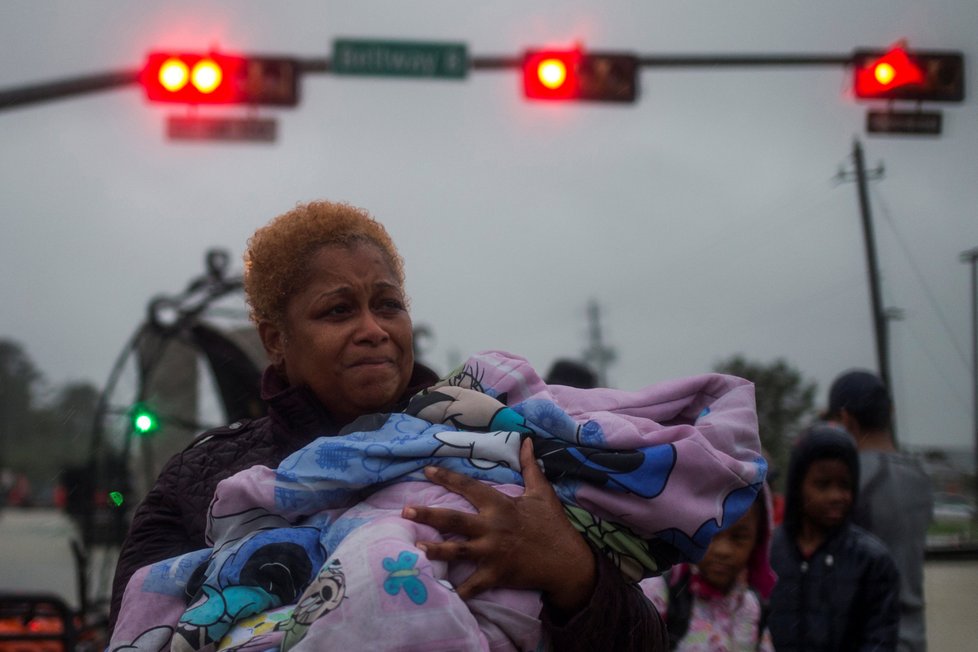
(953, 507)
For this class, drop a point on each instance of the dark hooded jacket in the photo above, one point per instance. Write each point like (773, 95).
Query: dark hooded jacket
(845, 595)
(172, 519)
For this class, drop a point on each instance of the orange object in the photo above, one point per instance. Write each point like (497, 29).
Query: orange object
(16, 625)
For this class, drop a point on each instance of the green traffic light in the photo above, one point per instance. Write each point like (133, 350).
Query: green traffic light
(144, 421)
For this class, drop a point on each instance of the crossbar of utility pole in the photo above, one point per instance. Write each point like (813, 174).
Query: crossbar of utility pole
(46, 91)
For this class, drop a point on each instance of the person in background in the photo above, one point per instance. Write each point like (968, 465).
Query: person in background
(325, 284)
(777, 497)
(571, 373)
(720, 604)
(837, 586)
(895, 493)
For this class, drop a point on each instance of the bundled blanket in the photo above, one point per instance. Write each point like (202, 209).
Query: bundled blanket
(314, 554)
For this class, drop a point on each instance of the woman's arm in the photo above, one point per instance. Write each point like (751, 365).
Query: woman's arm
(527, 542)
(618, 616)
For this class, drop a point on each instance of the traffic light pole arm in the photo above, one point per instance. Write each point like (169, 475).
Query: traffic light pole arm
(35, 93)
(324, 65)
(743, 60)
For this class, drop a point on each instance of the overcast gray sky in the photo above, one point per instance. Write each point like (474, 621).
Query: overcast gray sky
(704, 218)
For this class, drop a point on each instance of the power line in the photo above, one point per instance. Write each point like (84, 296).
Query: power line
(920, 278)
(952, 386)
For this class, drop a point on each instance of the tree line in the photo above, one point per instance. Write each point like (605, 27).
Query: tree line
(44, 430)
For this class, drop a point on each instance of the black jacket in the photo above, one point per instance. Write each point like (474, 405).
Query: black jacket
(172, 518)
(845, 596)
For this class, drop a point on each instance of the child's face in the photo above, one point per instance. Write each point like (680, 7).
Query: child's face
(729, 552)
(826, 493)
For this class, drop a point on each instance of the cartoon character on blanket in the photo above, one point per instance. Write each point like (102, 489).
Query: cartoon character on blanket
(315, 555)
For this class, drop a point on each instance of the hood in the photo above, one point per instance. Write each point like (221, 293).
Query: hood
(760, 576)
(821, 441)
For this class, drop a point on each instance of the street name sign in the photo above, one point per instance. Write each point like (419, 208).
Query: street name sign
(400, 58)
(261, 130)
(918, 123)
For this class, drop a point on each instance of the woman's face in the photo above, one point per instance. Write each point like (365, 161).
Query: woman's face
(347, 333)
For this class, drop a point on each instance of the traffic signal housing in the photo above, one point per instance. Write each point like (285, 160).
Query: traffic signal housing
(900, 74)
(212, 78)
(576, 75)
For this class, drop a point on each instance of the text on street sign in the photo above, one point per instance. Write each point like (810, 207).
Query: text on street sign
(400, 58)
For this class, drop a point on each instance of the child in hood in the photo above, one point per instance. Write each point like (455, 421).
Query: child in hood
(838, 587)
(720, 603)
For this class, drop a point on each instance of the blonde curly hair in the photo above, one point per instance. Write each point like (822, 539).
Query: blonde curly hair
(276, 261)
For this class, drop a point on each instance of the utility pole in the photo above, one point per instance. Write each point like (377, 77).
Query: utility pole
(971, 256)
(597, 354)
(880, 315)
(872, 267)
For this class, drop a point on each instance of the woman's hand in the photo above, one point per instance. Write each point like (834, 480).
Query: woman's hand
(524, 542)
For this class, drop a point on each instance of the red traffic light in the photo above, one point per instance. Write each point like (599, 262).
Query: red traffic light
(551, 74)
(899, 74)
(574, 75)
(194, 78)
(891, 71)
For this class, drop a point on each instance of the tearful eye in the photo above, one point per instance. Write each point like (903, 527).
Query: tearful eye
(336, 311)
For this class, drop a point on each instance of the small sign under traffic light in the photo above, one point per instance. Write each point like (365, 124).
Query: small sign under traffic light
(576, 75)
(195, 78)
(915, 123)
(198, 128)
(901, 74)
